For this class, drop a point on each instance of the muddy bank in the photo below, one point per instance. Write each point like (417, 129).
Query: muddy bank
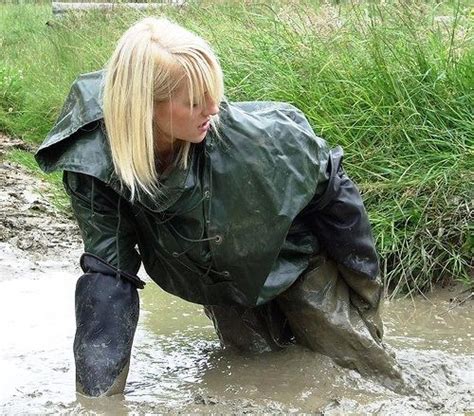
(28, 220)
(177, 365)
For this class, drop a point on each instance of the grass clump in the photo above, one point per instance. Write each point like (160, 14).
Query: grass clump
(392, 82)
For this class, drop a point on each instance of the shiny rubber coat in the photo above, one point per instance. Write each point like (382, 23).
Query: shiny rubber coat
(238, 226)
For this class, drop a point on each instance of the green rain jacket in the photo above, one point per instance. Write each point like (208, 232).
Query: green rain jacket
(238, 226)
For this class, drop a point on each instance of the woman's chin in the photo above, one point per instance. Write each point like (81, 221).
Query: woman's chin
(194, 139)
(198, 139)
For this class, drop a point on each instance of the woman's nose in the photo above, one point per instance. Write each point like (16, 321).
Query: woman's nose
(211, 108)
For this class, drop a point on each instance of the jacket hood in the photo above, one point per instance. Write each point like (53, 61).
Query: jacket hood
(82, 110)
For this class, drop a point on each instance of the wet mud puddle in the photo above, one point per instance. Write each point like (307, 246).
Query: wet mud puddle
(177, 364)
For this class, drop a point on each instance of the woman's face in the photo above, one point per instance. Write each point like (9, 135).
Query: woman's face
(177, 118)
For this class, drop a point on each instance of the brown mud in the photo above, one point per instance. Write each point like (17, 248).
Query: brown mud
(29, 222)
(177, 365)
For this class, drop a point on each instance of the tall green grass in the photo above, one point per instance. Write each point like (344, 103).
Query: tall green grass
(392, 82)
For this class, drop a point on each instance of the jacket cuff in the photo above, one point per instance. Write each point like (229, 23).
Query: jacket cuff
(335, 159)
(92, 263)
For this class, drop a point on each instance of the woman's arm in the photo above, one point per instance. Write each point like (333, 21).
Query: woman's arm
(339, 220)
(107, 305)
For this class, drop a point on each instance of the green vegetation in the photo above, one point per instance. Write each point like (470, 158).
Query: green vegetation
(392, 82)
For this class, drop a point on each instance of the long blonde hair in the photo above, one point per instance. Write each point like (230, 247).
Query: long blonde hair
(151, 61)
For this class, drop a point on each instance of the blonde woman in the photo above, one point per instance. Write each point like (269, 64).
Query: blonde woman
(235, 206)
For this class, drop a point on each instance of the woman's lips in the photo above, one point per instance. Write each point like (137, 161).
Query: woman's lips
(205, 126)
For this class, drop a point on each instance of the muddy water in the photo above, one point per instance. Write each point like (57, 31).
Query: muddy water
(177, 364)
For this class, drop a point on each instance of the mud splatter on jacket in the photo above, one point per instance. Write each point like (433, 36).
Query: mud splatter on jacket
(238, 226)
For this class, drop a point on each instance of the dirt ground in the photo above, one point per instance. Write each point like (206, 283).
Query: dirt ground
(28, 221)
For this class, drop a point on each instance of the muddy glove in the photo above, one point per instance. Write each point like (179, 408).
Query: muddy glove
(107, 309)
(106, 296)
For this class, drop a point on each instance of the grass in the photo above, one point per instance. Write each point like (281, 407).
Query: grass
(392, 82)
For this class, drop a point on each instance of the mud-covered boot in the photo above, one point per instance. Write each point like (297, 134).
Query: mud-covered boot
(107, 309)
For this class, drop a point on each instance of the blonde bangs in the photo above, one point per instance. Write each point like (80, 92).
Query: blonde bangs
(203, 76)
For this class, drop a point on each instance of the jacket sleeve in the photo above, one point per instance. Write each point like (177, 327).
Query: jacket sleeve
(339, 220)
(107, 304)
(105, 221)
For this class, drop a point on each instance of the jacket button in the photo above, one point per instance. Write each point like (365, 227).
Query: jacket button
(225, 273)
(207, 194)
(218, 239)
(175, 254)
